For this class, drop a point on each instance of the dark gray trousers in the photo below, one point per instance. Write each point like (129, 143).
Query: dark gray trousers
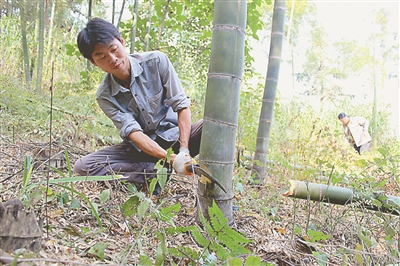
(125, 159)
(362, 148)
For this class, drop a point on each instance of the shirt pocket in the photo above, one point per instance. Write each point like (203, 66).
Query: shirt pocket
(155, 102)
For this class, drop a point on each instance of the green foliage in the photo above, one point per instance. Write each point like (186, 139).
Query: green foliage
(98, 250)
(28, 168)
(322, 258)
(219, 238)
(316, 236)
(36, 194)
(249, 113)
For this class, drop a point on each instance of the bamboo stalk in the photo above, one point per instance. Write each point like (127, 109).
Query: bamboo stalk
(375, 201)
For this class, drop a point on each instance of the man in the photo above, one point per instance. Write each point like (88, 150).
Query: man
(143, 97)
(356, 131)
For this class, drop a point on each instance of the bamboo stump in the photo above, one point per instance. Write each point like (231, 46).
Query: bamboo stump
(18, 228)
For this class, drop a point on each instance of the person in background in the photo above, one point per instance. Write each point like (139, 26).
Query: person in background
(143, 96)
(356, 131)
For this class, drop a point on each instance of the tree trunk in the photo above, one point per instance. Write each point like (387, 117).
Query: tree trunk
(217, 149)
(375, 110)
(41, 48)
(113, 12)
(267, 108)
(90, 9)
(148, 24)
(162, 25)
(88, 64)
(25, 48)
(343, 196)
(50, 34)
(121, 13)
(135, 19)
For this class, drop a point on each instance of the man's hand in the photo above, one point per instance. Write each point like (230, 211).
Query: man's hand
(181, 160)
(184, 150)
(172, 158)
(186, 165)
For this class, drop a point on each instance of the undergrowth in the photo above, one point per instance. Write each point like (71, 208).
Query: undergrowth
(304, 148)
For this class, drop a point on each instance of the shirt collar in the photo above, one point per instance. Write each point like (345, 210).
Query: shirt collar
(136, 70)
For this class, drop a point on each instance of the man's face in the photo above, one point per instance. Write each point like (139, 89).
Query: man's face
(111, 58)
(345, 120)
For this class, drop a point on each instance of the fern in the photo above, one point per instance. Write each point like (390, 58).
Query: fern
(218, 238)
(184, 252)
(179, 230)
(227, 241)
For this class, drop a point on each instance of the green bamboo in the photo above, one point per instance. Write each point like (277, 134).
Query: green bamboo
(25, 47)
(113, 12)
(160, 29)
(267, 108)
(217, 149)
(148, 26)
(90, 6)
(121, 13)
(135, 18)
(343, 196)
(41, 48)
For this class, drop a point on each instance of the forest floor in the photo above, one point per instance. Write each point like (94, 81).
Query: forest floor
(74, 237)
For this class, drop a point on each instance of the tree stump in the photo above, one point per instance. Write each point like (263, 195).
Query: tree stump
(18, 228)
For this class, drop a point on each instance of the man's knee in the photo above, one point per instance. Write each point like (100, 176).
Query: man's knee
(79, 167)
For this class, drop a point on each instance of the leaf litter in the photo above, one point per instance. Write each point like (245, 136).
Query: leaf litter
(72, 236)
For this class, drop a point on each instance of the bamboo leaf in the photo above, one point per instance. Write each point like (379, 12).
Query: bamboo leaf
(143, 207)
(35, 196)
(79, 178)
(98, 250)
(358, 253)
(162, 177)
(161, 253)
(321, 257)
(28, 168)
(145, 260)
(364, 238)
(104, 195)
(152, 185)
(68, 163)
(75, 204)
(317, 236)
(130, 206)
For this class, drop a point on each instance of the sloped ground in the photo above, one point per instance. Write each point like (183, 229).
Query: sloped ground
(275, 224)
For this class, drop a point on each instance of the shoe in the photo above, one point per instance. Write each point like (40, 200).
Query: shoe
(157, 190)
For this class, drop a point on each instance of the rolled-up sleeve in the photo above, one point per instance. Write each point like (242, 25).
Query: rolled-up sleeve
(124, 122)
(176, 97)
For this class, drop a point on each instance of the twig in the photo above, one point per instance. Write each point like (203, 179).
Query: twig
(9, 260)
(10, 175)
(50, 144)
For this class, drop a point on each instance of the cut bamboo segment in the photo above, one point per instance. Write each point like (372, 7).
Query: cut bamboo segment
(343, 196)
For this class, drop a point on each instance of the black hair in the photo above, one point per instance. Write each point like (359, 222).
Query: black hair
(97, 31)
(342, 115)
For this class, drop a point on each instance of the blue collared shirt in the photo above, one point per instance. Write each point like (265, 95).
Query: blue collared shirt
(151, 102)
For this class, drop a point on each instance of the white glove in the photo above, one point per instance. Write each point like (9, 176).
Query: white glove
(181, 159)
(183, 149)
